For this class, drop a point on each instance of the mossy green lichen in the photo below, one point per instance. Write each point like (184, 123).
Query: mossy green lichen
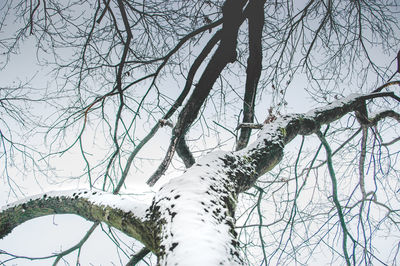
(282, 130)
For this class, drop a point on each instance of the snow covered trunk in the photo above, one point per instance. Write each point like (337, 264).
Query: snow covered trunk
(194, 213)
(196, 216)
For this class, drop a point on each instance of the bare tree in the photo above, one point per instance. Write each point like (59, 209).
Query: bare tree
(122, 70)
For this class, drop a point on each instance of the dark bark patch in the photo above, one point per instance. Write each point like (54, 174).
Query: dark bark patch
(235, 243)
(173, 246)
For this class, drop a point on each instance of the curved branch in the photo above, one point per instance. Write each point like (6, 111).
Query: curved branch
(385, 114)
(120, 212)
(182, 149)
(391, 83)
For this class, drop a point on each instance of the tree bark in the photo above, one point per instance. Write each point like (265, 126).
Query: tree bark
(120, 212)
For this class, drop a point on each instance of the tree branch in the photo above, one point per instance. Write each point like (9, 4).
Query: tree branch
(335, 196)
(76, 246)
(233, 17)
(184, 153)
(138, 257)
(391, 83)
(253, 71)
(266, 152)
(120, 212)
(189, 81)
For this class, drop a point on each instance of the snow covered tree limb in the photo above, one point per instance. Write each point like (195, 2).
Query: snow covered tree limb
(267, 151)
(120, 212)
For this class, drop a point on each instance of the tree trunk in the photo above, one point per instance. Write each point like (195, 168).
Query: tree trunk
(196, 216)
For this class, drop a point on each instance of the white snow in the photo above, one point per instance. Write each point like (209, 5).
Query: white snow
(338, 103)
(196, 236)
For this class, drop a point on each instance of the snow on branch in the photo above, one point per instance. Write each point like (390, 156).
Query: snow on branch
(119, 211)
(267, 151)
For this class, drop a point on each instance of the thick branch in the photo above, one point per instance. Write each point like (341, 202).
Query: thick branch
(264, 154)
(120, 212)
(225, 53)
(196, 213)
(396, 82)
(192, 71)
(184, 153)
(253, 71)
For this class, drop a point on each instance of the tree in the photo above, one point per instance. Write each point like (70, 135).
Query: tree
(113, 65)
